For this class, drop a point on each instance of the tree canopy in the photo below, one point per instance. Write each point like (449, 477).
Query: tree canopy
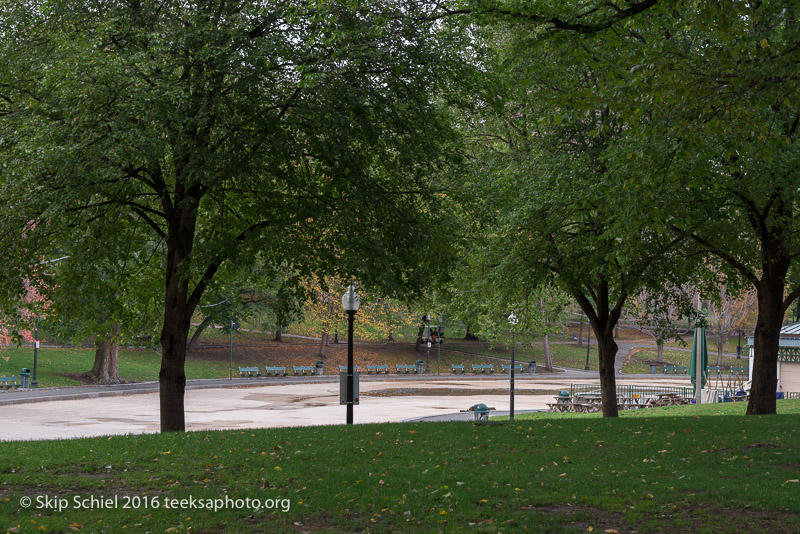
(309, 132)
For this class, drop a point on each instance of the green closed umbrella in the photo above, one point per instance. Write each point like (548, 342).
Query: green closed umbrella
(699, 344)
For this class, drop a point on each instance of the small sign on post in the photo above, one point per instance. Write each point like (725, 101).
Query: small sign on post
(343, 388)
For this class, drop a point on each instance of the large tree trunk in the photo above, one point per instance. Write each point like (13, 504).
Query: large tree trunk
(278, 335)
(607, 351)
(178, 308)
(195, 341)
(602, 319)
(172, 376)
(106, 360)
(323, 344)
(767, 336)
(660, 350)
(548, 358)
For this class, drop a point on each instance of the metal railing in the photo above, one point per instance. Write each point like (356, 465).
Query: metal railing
(630, 391)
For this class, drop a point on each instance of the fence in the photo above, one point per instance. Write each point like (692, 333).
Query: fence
(631, 390)
(651, 391)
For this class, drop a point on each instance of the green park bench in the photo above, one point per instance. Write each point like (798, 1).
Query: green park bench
(303, 369)
(343, 368)
(378, 369)
(507, 367)
(457, 368)
(8, 382)
(275, 371)
(405, 368)
(675, 370)
(738, 370)
(249, 371)
(478, 368)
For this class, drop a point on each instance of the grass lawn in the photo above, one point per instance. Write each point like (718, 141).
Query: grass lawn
(638, 359)
(58, 367)
(563, 354)
(686, 469)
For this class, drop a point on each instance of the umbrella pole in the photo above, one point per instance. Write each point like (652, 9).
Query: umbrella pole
(698, 368)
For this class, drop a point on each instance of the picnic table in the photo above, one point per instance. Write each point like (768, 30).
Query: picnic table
(562, 404)
(668, 399)
(588, 403)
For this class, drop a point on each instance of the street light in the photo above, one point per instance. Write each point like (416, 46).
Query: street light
(351, 302)
(739, 346)
(428, 357)
(34, 382)
(588, 345)
(512, 320)
(234, 326)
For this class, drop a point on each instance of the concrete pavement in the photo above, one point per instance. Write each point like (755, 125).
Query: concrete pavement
(261, 403)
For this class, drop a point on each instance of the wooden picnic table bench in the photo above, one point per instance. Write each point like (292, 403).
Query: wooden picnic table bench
(302, 369)
(482, 368)
(457, 368)
(8, 382)
(275, 371)
(405, 368)
(378, 369)
(249, 371)
(675, 370)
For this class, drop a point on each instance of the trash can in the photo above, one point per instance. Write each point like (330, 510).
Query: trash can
(25, 378)
(532, 367)
(652, 368)
(481, 412)
(319, 367)
(420, 366)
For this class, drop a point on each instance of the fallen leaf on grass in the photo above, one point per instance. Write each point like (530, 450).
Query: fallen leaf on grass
(790, 481)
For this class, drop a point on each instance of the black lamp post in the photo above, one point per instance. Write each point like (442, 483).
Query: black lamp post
(588, 346)
(350, 301)
(512, 320)
(739, 345)
(428, 357)
(34, 382)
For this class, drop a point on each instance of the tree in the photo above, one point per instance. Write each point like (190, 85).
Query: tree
(728, 311)
(378, 315)
(558, 213)
(307, 131)
(656, 313)
(708, 95)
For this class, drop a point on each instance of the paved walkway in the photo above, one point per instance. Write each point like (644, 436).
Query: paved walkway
(261, 403)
